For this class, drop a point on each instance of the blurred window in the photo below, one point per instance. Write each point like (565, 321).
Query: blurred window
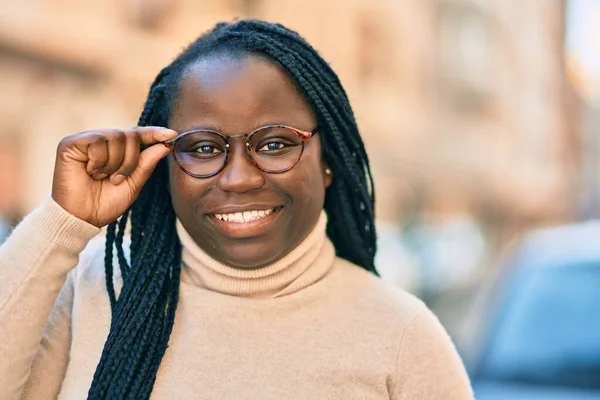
(466, 48)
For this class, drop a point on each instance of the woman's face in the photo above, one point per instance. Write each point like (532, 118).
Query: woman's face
(235, 95)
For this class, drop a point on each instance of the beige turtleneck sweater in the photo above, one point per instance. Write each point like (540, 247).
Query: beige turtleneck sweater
(310, 326)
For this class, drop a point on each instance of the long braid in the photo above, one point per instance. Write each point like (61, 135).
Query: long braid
(108, 262)
(124, 266)
(133, 309)
(144, 312)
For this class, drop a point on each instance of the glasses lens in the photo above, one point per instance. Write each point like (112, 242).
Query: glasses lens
(201, 153)
(276, 148)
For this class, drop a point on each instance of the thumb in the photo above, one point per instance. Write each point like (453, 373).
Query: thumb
(147, 162)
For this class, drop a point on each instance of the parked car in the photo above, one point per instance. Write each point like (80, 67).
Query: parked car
(542, 336)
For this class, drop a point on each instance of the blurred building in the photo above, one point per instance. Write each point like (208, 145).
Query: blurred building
(478, 116)
(463, 105)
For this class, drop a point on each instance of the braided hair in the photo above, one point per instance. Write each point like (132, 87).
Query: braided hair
(144, 312)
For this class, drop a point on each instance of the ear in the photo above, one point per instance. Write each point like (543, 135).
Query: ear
(327, 173)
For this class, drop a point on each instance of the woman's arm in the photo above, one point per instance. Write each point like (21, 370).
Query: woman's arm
(429, 367)
(34, 263)
(50, 363)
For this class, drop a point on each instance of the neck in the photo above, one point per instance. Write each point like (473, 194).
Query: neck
(307, 263)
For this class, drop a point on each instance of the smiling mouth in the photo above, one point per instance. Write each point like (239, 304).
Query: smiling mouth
(246, 224)
(246, 216)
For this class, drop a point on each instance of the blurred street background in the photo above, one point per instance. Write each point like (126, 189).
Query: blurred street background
(481, 119)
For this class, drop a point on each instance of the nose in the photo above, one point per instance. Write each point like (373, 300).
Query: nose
(239, 175)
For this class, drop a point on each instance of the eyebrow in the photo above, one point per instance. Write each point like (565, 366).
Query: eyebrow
(199, 128)
(214, 128)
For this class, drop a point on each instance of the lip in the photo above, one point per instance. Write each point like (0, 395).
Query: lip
(235, 208)
(249, 229)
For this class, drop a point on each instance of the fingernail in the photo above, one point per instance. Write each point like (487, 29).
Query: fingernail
(117, 179)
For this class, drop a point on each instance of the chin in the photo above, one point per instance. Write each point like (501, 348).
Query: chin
(249, 255)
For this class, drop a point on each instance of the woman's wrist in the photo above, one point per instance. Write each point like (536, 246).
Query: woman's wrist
(61, 227)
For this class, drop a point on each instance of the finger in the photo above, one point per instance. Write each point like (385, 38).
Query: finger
(116, 148)
(147, 162)
(130, 158)
(97, 153)
(150, 135)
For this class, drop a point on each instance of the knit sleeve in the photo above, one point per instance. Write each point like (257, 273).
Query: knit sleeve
(34, 263)
(428, 366)
(52, 357)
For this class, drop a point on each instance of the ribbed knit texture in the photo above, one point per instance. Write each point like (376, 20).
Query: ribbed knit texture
(310, 326)
(304, 265)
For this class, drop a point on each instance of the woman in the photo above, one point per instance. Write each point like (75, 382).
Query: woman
(250, 271)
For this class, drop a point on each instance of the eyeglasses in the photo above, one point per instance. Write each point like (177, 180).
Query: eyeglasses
(203, 153)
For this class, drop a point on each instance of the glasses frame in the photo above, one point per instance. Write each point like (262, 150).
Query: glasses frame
(303, 135)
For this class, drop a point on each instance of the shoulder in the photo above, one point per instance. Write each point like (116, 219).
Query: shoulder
(426, 362)
(369, 295)
(428, 365)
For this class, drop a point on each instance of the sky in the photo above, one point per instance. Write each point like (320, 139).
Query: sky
(583, 46)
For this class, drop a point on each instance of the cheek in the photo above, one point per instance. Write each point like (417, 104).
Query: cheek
(183, 190)
(309, 185)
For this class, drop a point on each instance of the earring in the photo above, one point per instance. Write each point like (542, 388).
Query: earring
(327, 171)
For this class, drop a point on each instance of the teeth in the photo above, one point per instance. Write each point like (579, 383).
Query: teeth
(245, 216)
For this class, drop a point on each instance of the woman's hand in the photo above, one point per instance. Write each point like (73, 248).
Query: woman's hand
(99, 174)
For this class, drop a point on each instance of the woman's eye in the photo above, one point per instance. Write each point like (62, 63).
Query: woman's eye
(272, 146)
(207, 150)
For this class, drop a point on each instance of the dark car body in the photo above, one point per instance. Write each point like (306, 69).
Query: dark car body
(542, 338)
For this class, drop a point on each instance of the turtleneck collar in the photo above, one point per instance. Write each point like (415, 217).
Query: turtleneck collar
(306, 264)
